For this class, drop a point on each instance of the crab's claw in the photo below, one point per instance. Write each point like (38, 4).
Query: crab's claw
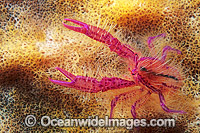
(68, 75)
(83, 29)
(93, 32)
(91, 85)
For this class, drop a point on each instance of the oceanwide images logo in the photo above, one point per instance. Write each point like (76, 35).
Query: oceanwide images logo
(46, 121)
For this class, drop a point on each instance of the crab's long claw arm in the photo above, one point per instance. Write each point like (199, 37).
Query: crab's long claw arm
(91, 85)
(103, 36)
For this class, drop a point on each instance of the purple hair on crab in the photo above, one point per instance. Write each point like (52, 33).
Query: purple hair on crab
(153, 75)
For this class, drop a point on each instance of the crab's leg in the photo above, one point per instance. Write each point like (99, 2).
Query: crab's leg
(150, 42)
(139, 102)
(167, 49)
(92, 85)
(123, 96)
(103, 36)
(165, 108)
(151, 39)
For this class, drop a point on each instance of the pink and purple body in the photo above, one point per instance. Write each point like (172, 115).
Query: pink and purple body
(152, 74)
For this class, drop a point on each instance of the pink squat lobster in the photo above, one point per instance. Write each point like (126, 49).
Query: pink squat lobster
(153, 75)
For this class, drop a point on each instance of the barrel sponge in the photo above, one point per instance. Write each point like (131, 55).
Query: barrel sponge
(33, 42)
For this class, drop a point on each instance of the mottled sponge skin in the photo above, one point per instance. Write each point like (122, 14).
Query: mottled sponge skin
(34, 42)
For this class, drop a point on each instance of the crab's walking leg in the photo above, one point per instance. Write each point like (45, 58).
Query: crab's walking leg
(165, 108)
(103, 36)
(123, 96)
(151, 39)
(167, 49)
(150, 42)
(139, 102)
(91, 85)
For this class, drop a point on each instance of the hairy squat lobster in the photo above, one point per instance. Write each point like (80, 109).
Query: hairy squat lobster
(153, 75)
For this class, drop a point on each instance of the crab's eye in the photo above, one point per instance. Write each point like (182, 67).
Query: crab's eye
(143, 69)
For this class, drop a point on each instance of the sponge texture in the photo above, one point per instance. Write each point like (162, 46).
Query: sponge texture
(33, 42)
